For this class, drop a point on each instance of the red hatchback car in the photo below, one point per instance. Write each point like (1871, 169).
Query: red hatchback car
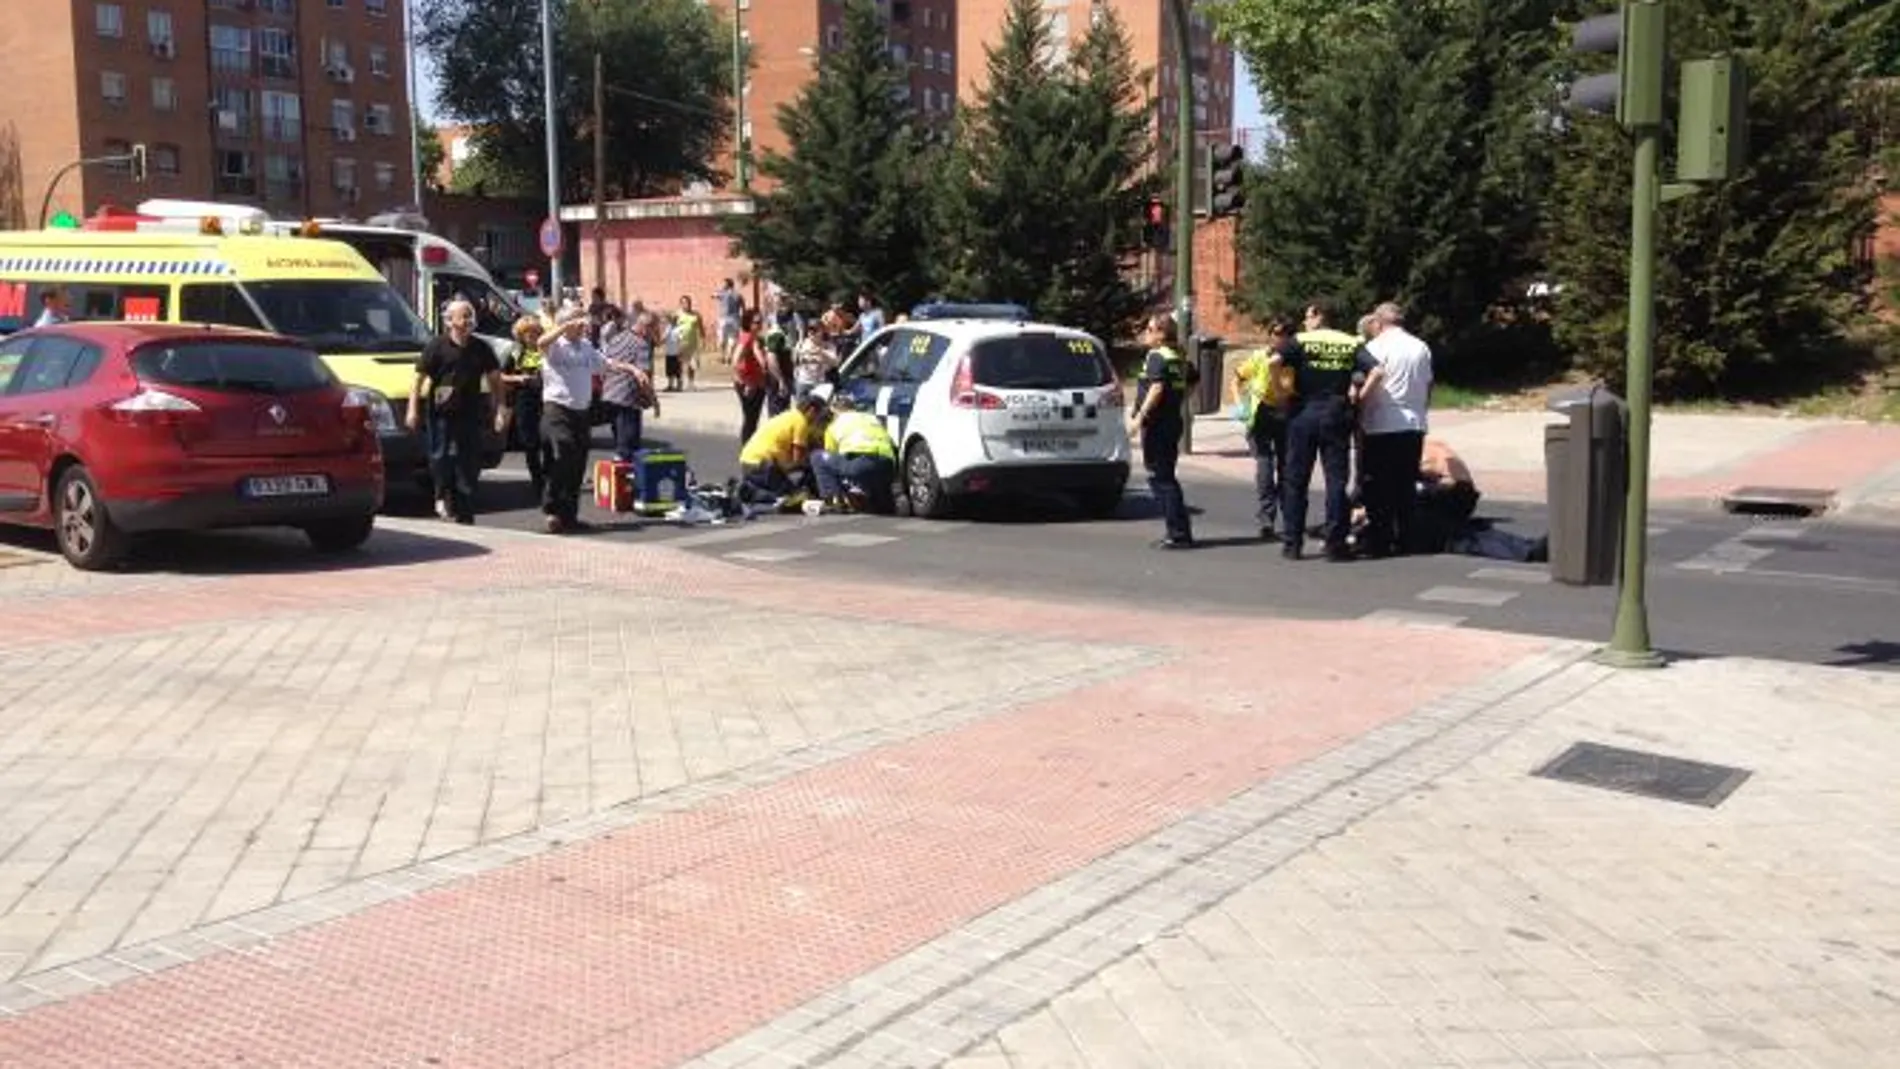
(111, 430)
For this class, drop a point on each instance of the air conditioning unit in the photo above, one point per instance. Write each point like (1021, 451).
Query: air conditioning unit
(346, 133)
(346, 74)
(227, 120)
(164, 49)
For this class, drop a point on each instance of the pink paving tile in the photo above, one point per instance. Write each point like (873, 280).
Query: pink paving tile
(647, 946)
(1830, 458)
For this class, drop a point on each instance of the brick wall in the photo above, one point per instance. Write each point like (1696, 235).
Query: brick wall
(658, 260)
(1216, 271)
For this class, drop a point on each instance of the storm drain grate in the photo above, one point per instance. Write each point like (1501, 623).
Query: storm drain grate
(1793, 502)
(1651, 775)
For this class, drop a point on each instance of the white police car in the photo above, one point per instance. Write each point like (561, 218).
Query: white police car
(982, 401)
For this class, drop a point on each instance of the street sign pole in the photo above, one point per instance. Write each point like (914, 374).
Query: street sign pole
(1184, 198)
(554, 148)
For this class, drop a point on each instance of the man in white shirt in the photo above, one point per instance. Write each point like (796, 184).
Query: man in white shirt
(568, 365)
(1393, 406)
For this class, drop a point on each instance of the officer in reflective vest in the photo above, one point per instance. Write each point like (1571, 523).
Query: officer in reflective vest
(521, 372)
(1156, 422)
(858, 456)
(1324, 361)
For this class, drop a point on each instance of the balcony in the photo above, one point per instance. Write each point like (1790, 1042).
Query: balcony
(280, 67)
(277, 128)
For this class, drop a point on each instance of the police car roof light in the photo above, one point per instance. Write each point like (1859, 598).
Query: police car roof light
(948, 310)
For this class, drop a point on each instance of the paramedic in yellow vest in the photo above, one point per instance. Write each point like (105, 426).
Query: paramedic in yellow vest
(1324, 361)
(1265, 389)
(858, 456)
(1156, 423)
(781, 448)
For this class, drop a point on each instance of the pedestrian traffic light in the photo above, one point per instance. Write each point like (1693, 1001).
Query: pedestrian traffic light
(1226, 180)
(1634, 91)
(138, 163)
(1154, 223)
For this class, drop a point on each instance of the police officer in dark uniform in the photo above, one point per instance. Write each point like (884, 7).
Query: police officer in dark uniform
(1324, 361)
(1156, 422)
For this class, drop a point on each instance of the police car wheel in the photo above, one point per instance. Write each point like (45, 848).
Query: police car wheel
(921, 484)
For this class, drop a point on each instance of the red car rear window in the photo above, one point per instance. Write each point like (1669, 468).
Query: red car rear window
(232, 366)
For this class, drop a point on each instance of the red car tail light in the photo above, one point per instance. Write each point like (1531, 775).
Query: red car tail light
(155, 408)
(963, 390)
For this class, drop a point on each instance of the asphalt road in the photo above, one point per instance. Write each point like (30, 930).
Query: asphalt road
(1808, 591)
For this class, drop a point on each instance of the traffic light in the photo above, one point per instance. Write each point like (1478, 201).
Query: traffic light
(1154, 224)
(1634, 91)
(138, 163)
(1226, 180)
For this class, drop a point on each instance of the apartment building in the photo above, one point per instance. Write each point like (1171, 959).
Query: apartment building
(1151, 36)
(298, 106)
(787, 39)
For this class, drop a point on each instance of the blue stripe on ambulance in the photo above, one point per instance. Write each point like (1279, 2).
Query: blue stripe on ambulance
(39, 265)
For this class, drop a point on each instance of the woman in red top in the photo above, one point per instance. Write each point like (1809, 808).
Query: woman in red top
(748, 374)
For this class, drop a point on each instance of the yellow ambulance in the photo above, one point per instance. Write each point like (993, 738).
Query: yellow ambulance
(124, 267)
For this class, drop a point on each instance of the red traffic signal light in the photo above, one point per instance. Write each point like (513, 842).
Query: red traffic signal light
(1157, 212)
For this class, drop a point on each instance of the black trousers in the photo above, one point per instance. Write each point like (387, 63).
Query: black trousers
(1321, 431)
(566, 434)
(751, 401)
(1266, 440)
(528, 433)
(1388, 481)
(1160, 453)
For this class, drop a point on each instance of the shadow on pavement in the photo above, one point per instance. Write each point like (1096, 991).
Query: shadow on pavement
(1874, 653)
(273, 551)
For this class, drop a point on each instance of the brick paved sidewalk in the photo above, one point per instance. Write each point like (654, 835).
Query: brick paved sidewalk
(948, 852)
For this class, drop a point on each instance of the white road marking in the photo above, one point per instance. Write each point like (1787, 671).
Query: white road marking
(1513, 575)
(1468, 595)
(744, 532)
(768, 555)
(1780, 532)
(1657, 531)
(856, 541)
(927, 526)
(1402, 618)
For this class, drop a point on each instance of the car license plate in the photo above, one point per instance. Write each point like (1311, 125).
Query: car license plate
(1048, 446)
(287, 486)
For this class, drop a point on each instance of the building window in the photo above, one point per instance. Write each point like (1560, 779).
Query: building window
(277, 7)
(834, 37)
(335, 5)
(385, 177)
(112, 87)
(109, 19)
(376, 8)
(164, 95)
(118, 149)
(944, 62)
(930, 99)
(234, 110)
(378, 119)
(336, 55)
(283, 116)
(236, 174)
(158, 29)
(230, 49)
(343, 175)
(900, 54)
(379, 61)
(343, 117)
(277, 53)
(283, 177)
(930, 59)
(164, 160)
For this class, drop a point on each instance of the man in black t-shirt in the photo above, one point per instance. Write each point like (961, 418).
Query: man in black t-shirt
(1324, 361)
(450, 376)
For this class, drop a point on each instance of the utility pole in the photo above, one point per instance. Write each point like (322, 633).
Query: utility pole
(600, 158)
(415, 112)
(741, 151)
(555, 289)
(1184, 196)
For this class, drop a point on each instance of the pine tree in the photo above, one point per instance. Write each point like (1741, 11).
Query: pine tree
(1415, 176)
(850, 208)
(1043, 205)
(1757, 286)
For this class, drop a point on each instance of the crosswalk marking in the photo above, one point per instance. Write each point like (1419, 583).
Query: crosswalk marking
(1412, 619)
(856, 541)
(1468, 595)
(1513, 575)
(768, 555)
(742, 532)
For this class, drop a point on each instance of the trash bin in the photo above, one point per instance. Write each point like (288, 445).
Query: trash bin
(1207, 361)
(1586, 468)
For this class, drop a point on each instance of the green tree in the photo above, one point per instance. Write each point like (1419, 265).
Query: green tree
(848, 206)
(1045, 205)
(1289, 43)
(1417, 176)
(667, 68)
(1757, 284)
(429, 142)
